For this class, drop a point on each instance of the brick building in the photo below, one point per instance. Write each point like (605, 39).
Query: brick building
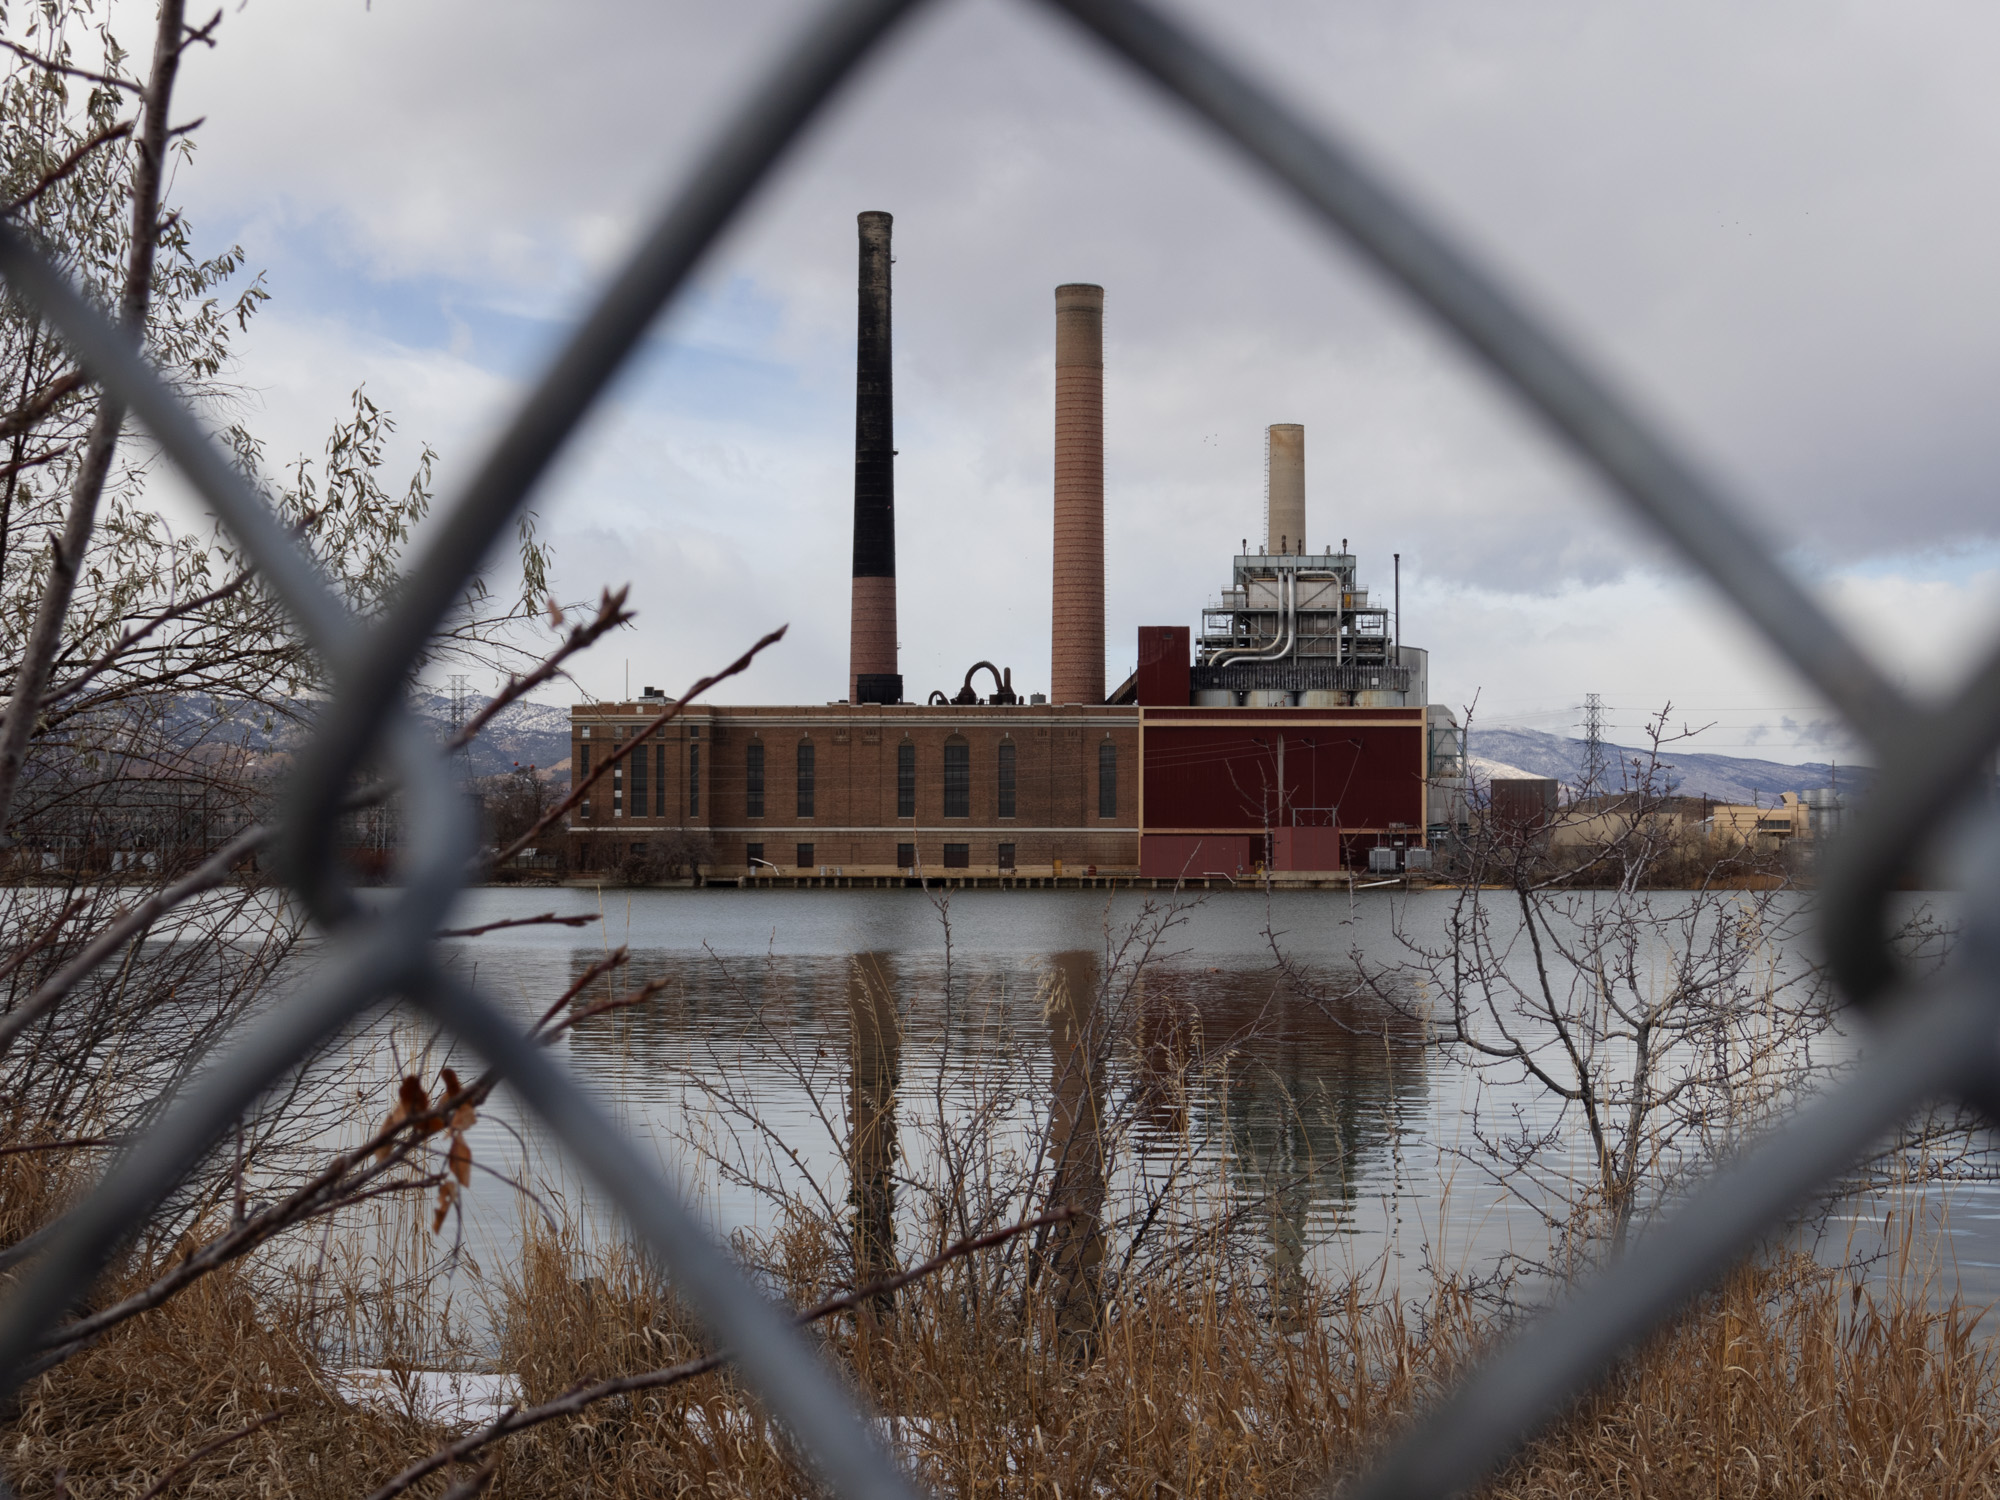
(871, 789)
(1023, 790)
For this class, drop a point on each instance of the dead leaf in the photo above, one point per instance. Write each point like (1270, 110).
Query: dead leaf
(394, 1118)
(452, 1087)
(461, 1160)
(464, 1117)
(410, 1100)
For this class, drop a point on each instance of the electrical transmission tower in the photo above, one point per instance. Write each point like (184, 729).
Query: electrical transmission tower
(461, 710)
(1593, 741)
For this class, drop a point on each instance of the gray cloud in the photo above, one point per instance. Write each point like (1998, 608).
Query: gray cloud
(1760, 221)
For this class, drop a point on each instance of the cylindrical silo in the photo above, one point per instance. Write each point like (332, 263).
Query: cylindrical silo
(1076, 646)
(1285, 488)
(871, 650)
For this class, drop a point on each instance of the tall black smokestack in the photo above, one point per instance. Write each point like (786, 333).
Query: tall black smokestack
(871, 656)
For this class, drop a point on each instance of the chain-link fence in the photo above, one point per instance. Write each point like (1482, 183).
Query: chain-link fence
(1937, 1040)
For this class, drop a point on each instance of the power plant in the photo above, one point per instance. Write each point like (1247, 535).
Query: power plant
(1291, 739)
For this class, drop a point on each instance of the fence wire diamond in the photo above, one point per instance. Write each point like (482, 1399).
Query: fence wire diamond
(1941, 1039)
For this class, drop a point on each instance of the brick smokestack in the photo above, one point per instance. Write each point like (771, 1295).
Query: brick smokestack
(871, 653)
(1076, 671)
(1285, 488)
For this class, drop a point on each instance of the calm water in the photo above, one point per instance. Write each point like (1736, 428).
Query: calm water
(748, 1071)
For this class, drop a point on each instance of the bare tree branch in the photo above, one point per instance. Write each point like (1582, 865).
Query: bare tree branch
(611, 613)
(546, 919)
(31, 678)
(212, 873)
(219, 867)
(132, 637)
(658, 722)
(27, 415)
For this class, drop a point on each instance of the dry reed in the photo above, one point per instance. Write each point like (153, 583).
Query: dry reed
(1789, 1380)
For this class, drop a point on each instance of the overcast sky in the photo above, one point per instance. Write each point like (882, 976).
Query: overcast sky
(1774, 223)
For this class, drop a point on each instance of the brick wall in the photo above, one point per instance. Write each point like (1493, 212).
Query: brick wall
(854, 822)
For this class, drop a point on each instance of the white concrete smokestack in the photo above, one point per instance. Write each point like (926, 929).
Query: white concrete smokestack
(1285, 488)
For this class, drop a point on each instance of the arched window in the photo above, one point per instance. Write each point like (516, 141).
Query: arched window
(1006, 778)
(1107, 780)
(957, 778)
(805, 778)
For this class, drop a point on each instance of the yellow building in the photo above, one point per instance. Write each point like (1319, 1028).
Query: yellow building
(1765, 830)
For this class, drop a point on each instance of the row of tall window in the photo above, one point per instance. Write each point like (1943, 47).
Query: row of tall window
(957, 779)
(644, 774)
(753, 779)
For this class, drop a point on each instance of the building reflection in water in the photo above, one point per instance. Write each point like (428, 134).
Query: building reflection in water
(1187, 1079)
(1302, 1099)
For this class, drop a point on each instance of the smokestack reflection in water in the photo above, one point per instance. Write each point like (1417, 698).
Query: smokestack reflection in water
(875, 1066)
(1072, 1258)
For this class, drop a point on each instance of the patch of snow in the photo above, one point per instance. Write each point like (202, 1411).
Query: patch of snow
(458, 1399)
(1483, 770)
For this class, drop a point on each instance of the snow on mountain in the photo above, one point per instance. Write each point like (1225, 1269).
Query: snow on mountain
(1483, 770)
(524, 734)
(1726, 778)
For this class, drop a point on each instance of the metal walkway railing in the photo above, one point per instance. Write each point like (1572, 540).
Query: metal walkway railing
(1941, 1039)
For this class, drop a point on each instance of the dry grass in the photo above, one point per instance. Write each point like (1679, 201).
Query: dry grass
(119, 1416)
(1786, 1382)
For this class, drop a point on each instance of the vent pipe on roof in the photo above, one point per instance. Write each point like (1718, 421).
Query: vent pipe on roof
(1076, 673)
(871, 655)
(1285, 488)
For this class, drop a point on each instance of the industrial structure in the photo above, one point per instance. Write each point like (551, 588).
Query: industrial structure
(872, 675)
(1292, 739)
(1295, 629)
(1076, 615)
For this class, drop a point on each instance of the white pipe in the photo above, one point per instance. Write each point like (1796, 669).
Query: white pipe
(1288, 612)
